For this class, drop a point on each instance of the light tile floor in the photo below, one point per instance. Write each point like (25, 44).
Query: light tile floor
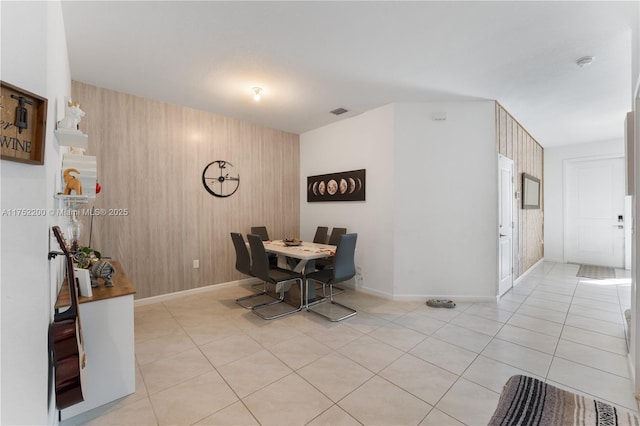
(204, 360)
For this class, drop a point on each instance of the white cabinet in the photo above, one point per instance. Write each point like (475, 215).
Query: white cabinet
(107, 328)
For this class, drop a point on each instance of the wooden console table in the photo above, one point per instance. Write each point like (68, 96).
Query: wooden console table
(107, 329)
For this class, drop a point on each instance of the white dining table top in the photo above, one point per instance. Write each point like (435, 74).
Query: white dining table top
(305, 251)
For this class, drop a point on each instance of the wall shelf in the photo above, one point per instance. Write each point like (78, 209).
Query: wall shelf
(72, 201)
(70, 137)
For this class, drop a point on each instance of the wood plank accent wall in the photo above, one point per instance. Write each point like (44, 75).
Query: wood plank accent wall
(514, 142)
(150, 158)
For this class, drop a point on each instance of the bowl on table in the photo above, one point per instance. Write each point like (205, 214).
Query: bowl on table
(292, 242)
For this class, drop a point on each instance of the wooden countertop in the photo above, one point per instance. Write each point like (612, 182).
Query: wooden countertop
(121, 287)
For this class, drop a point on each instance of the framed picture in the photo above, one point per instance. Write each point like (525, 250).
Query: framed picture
(23, 121)
(343, 186)
(530, 192)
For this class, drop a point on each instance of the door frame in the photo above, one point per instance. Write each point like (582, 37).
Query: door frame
(565, 191)
(510, 198)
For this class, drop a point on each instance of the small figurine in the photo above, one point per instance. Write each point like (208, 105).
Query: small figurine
(73, 115)
(104, 270)
(72, 183)
(76, 150)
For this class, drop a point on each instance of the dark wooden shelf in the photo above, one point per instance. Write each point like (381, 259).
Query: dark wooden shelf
(122, 286)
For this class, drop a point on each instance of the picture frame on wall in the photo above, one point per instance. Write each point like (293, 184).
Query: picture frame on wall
(530, 192)
(342, 186)
(23, 120)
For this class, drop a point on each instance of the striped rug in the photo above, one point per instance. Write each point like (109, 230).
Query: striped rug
(596, 272)
(527, 401)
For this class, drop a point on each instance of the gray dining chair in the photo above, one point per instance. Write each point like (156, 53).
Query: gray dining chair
(334, 240)
(336, 233)
(321, 235)
(243, 265)
(261, 231)
(264, 236)
(343, 270)
(277, 276)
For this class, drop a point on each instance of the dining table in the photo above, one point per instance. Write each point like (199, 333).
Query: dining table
(304, 255)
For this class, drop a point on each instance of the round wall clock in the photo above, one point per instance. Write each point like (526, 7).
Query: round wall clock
(218, 179)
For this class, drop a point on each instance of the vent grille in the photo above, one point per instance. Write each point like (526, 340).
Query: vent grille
(339, 111)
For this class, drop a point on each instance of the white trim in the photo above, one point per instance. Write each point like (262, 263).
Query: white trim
(250, 281)
(498, 233)
(178, 294)
(374, 292)
(528, 271)
(455, 298)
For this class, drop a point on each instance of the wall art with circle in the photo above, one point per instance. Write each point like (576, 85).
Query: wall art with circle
(342, 186)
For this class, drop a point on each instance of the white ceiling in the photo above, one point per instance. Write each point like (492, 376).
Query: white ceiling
(312, 57)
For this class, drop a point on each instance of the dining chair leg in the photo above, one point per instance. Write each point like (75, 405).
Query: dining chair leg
(240, 301)
(316, 300)
(348, 312)
(265, 313)
(337, 290)
(340, 290)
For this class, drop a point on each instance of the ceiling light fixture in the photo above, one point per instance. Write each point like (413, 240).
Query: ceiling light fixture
(585, 60)
(256, 93)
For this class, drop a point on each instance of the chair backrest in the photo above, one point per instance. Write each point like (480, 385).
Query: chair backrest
(260, 263)
(243, 261)
(344, 263)
(321, 235)
(261, 231)
(336, 233)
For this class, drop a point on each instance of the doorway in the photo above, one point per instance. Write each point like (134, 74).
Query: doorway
(505, 224)
(594, 211)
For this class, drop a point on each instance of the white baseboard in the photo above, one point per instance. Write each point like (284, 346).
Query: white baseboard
(178, 294)
(455, 298)
(374, 292)
(527, 272)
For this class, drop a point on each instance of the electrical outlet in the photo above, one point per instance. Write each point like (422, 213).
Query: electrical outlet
(196, 264)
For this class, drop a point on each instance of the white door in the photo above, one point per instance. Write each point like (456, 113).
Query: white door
(594, 212)
(505, 219)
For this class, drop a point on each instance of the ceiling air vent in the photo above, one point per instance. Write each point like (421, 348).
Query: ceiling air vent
(339, 111)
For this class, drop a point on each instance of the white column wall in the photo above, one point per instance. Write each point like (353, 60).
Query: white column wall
(361, 142)
(431, 197)
(446, 201)
(554, 158)
(35, 60)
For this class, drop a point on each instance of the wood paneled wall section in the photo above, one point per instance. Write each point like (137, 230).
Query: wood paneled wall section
(514, 142)
(150, 158)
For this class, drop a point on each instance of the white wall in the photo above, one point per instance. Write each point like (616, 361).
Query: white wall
(431, 197)
(35, 60)
(361, 142)
(554, 158)
(446, 201)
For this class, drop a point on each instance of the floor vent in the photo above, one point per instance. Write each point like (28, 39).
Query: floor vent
(339, 111)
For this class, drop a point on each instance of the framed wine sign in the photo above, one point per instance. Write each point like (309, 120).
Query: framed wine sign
(23, 122)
